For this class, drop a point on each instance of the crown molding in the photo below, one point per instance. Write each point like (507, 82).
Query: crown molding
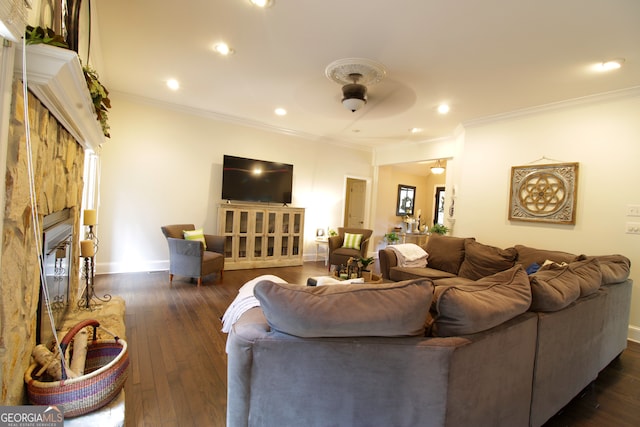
(569, 103)
(55, 77)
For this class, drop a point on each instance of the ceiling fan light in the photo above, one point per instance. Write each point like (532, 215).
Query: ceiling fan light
(353, 104)
(354, 96)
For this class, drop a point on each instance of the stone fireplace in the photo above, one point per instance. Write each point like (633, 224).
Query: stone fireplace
(58, 153)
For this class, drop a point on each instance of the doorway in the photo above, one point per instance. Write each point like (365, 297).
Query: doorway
(355, 197)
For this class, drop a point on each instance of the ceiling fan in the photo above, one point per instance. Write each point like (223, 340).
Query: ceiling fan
(354, 74)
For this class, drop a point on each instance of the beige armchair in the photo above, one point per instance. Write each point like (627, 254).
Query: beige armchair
(189, 258)
(340, 255)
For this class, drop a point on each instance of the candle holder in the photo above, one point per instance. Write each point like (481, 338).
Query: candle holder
(90, 299)
(88, 250)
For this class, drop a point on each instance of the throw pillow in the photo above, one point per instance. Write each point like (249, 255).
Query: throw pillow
(445, 252)
(554, 288)
(352, 241)
(382, 310)
(471, 307)
(482, 260)
(197, 234)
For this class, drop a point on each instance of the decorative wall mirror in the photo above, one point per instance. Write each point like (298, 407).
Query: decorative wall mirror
(406, 200)
(438, 214)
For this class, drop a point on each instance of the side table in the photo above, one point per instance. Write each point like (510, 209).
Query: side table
(324, 242)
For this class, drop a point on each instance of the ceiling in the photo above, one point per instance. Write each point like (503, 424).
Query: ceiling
(484, 58)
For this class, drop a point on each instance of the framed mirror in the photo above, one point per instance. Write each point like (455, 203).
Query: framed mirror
(406, 200)
(438, 214)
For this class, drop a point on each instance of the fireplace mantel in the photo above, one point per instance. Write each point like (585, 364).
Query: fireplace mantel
(55, 76)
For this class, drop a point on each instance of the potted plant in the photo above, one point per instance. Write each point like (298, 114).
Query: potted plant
(363, 263)
(439, 229)
(392, 237)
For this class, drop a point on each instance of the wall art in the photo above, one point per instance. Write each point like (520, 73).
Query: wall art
(544, 193)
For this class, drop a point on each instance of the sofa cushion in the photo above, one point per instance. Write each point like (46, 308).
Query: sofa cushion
(352, 241)
(446, 253)
(383, 310)
(615, 268)
(398, 274)
(589, 275)
(528, 256)
(468, 308)
(346, 252)
(482, 260)
(554, 287)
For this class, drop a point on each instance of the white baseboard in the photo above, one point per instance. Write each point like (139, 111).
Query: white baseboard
(634, 333)
(121, 267)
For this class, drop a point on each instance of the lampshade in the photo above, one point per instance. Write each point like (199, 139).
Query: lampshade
(438, 169)
(354, 96)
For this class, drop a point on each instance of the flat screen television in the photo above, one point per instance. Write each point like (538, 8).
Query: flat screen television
(251, 180)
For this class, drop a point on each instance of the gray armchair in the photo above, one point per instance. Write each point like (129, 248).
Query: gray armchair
(339, 255)
(189, 258)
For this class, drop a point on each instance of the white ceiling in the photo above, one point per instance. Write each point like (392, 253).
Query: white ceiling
(483, 57)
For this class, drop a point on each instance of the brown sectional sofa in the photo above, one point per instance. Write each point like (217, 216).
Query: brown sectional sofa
(454, 343)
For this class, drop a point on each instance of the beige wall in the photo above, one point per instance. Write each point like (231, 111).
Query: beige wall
(602, 135)
(164, 166)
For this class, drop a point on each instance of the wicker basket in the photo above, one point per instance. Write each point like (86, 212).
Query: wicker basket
(105, 373)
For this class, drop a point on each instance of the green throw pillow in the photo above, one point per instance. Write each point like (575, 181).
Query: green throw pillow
(197, 234)
(352, 241)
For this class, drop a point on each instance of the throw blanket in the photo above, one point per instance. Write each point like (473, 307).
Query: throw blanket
(244, 301)
(328, 280)
(410, 255)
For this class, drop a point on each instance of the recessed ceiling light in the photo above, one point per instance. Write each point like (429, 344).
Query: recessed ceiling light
(262, 3)
(223, 49)
(612, 64)
(415, 130)
(281, 112)
(173, 84)
(443, 108)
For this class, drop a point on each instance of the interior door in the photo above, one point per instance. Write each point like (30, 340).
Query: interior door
(355, 200)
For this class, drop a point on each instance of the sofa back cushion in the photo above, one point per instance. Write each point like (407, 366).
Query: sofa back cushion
(528, 256)
(615, 268)
(446, 253)
(589, 275)
(554, 287)
(469, 307)
(382, 310)
(482, 260)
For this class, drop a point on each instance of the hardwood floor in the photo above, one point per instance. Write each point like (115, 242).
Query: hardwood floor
(178, 365)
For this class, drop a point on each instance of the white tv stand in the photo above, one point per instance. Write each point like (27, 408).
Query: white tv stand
(261, 235)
